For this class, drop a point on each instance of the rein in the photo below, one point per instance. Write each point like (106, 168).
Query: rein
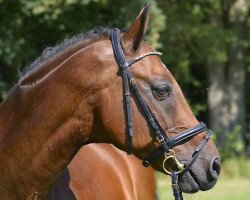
(166, 142)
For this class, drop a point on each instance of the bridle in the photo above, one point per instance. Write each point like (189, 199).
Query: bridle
(166, 143)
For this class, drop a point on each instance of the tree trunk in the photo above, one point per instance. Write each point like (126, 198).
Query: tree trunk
(226, 94)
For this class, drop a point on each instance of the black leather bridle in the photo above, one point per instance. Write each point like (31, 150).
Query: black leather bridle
(166, 142)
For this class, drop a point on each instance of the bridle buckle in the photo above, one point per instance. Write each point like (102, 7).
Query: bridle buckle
(160, 139)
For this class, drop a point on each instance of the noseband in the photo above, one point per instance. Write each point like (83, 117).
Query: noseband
(166, 143)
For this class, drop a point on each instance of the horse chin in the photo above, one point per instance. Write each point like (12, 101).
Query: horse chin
(190, 182)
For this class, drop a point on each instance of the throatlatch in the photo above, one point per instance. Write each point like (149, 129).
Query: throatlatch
(166, 142)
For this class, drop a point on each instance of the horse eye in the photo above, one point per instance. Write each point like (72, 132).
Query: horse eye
(162, 91)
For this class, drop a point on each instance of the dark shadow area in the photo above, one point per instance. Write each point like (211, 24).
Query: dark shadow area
(61, 189)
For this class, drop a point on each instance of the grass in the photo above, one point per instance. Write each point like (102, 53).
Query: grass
(233, 183)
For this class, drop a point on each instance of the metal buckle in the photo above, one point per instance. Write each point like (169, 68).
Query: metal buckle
(160, 139)
(175, 185)
(132, 80)
(179, 165)
(127, 94)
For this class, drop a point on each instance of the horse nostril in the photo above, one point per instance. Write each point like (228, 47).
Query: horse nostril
(216, 167)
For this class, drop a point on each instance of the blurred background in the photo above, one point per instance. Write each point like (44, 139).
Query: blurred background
(206, 46)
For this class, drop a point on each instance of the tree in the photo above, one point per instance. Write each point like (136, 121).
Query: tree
(226, 97)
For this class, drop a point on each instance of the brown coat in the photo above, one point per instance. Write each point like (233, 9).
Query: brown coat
(101, 171)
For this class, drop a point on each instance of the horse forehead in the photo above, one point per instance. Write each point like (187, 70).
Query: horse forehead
(149, 67)
(145, 68)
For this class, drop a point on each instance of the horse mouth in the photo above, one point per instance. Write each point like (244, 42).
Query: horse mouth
(192, 181)
(189, 182)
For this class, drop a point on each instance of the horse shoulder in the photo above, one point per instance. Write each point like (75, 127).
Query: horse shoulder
(101, 171)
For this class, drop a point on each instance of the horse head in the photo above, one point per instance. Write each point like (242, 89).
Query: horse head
(165, 100)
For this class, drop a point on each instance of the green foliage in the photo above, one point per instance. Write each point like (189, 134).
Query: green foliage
(232, 145)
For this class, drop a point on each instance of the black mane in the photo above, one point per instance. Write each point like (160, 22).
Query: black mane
(51, 52)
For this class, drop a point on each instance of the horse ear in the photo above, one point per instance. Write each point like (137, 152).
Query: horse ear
(132, 37)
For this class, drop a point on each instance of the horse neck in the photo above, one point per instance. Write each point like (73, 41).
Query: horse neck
(42, 127)
(50, 65)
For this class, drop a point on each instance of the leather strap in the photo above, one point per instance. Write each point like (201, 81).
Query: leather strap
(173, 141)
(197, 152)
(120, 59)
(177, 194)
(128, 78)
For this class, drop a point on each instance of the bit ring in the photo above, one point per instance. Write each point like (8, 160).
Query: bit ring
(180, 166)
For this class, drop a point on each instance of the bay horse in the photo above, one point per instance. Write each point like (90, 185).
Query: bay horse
(73, 95)
(101, 171)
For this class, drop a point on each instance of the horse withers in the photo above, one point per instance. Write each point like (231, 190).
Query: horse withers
(73, 94)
